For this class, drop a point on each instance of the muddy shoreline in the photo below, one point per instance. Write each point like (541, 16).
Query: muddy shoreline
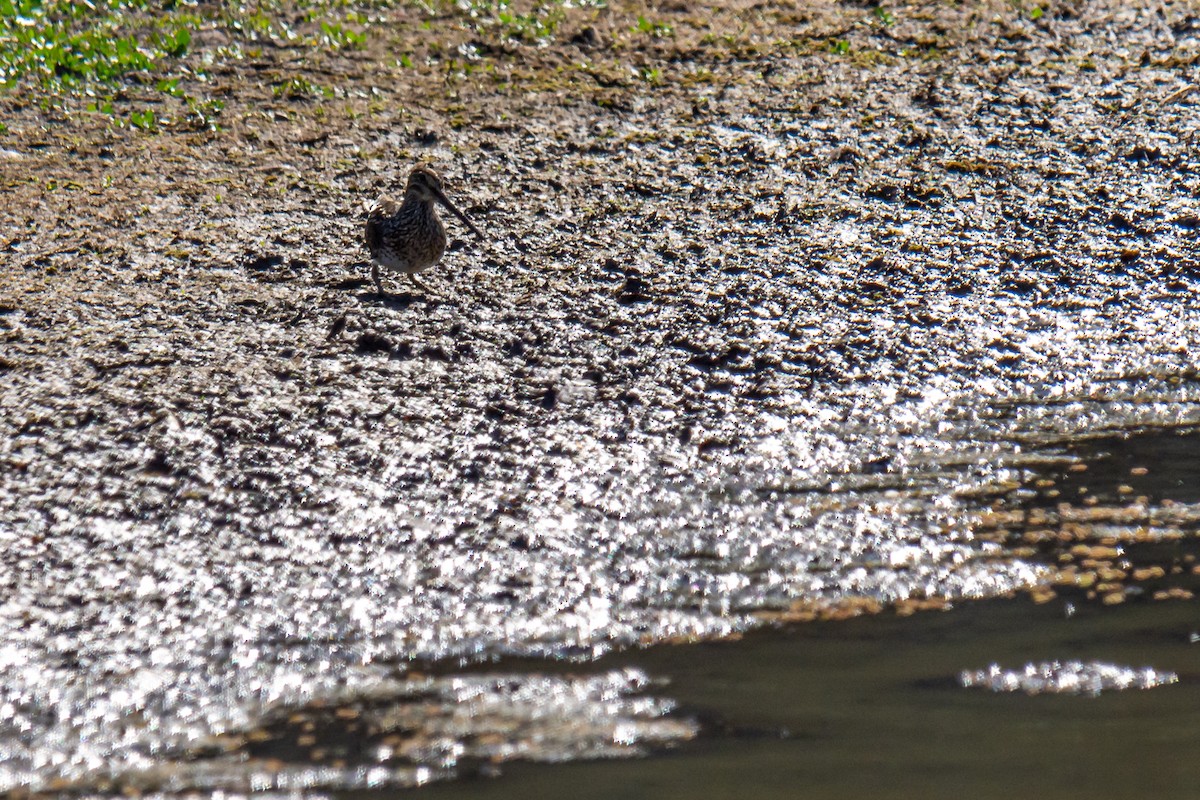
(721, 271)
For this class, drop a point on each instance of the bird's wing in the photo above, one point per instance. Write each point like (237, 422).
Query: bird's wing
(384, 208)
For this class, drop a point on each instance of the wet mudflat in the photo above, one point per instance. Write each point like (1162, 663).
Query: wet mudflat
(770, 328)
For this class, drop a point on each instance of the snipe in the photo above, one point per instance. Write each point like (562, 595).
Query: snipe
(408, 237)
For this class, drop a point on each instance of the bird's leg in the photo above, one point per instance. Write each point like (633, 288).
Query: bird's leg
(412, 276)
(375, 277)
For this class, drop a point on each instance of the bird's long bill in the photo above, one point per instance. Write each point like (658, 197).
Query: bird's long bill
(446, 202)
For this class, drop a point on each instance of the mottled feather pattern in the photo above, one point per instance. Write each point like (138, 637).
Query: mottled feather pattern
(408, 237)
(405, 238)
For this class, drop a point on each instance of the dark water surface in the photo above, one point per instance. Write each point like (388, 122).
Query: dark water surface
(873, 707)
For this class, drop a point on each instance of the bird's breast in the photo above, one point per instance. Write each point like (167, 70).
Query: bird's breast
(407, 239)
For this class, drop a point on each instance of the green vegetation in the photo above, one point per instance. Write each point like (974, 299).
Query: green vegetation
(839, 47)
(64, 45)
(96, 51)
(336, 36)
(501, 19)
(298, 87)
(146, 65)
(539, 24)
(658, 30)
(146, 119)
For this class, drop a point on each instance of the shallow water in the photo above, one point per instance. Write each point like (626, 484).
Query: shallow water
(873, 707)
(840, 707)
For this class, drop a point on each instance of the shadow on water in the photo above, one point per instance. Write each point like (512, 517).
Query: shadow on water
(873, 706)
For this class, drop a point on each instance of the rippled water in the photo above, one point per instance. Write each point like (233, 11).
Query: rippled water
(147, 725)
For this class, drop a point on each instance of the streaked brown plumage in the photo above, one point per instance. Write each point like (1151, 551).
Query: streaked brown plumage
(408, 237)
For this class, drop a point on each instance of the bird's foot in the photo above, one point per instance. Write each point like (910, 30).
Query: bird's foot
(429, 293)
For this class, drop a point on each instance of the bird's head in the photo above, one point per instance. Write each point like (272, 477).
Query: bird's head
(426, 185)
